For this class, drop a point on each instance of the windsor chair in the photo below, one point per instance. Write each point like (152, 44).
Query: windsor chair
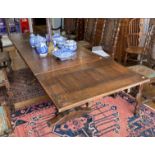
(133, 39)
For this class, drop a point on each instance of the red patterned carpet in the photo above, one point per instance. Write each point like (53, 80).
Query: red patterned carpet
(110, 117)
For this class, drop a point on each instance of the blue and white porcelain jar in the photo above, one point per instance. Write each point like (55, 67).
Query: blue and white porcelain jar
(58, 40)
(42, 49)
(32, 40)
(39, 39)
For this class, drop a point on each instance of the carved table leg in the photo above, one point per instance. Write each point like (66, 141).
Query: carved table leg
(89, 104)
(68, 115)
(138, 99)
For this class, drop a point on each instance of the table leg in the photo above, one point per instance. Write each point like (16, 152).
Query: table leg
(68, 115)
(138, 99)
(89, 104)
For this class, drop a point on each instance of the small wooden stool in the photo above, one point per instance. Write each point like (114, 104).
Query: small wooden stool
(5, 121)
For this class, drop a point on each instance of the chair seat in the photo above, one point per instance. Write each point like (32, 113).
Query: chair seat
(143, 70)
(135, 50)
(84, 43)
(72, 36)
(2, 76)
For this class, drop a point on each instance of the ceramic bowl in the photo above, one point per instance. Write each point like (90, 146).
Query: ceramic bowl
(58, 40)
(71, 45)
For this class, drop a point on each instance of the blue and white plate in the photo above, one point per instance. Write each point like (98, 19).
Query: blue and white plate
(64, 54)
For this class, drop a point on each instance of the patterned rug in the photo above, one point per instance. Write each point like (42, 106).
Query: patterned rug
(24, 86)
(110, 117)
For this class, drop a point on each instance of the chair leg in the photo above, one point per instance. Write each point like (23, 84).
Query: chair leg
(125, 59)
(141, 59)
(9, 65)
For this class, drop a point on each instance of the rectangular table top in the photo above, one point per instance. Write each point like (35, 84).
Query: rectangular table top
(71, 87)
(75, 82)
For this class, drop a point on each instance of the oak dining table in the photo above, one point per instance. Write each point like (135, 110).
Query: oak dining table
(72, 85)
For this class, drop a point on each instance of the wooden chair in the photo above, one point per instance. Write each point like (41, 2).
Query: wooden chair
(141, 69)
(133, 39)
(98, 32)
(88, 33)
(70, 28)
(5, 60)
(94, 32)
(113, 39)
(148, 48)
(145, 70)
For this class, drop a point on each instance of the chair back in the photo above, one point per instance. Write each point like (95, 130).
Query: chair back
(148, 44)
(111, 36)
(98, 33)
(133, 38)
(89, 29)
(115, 37)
